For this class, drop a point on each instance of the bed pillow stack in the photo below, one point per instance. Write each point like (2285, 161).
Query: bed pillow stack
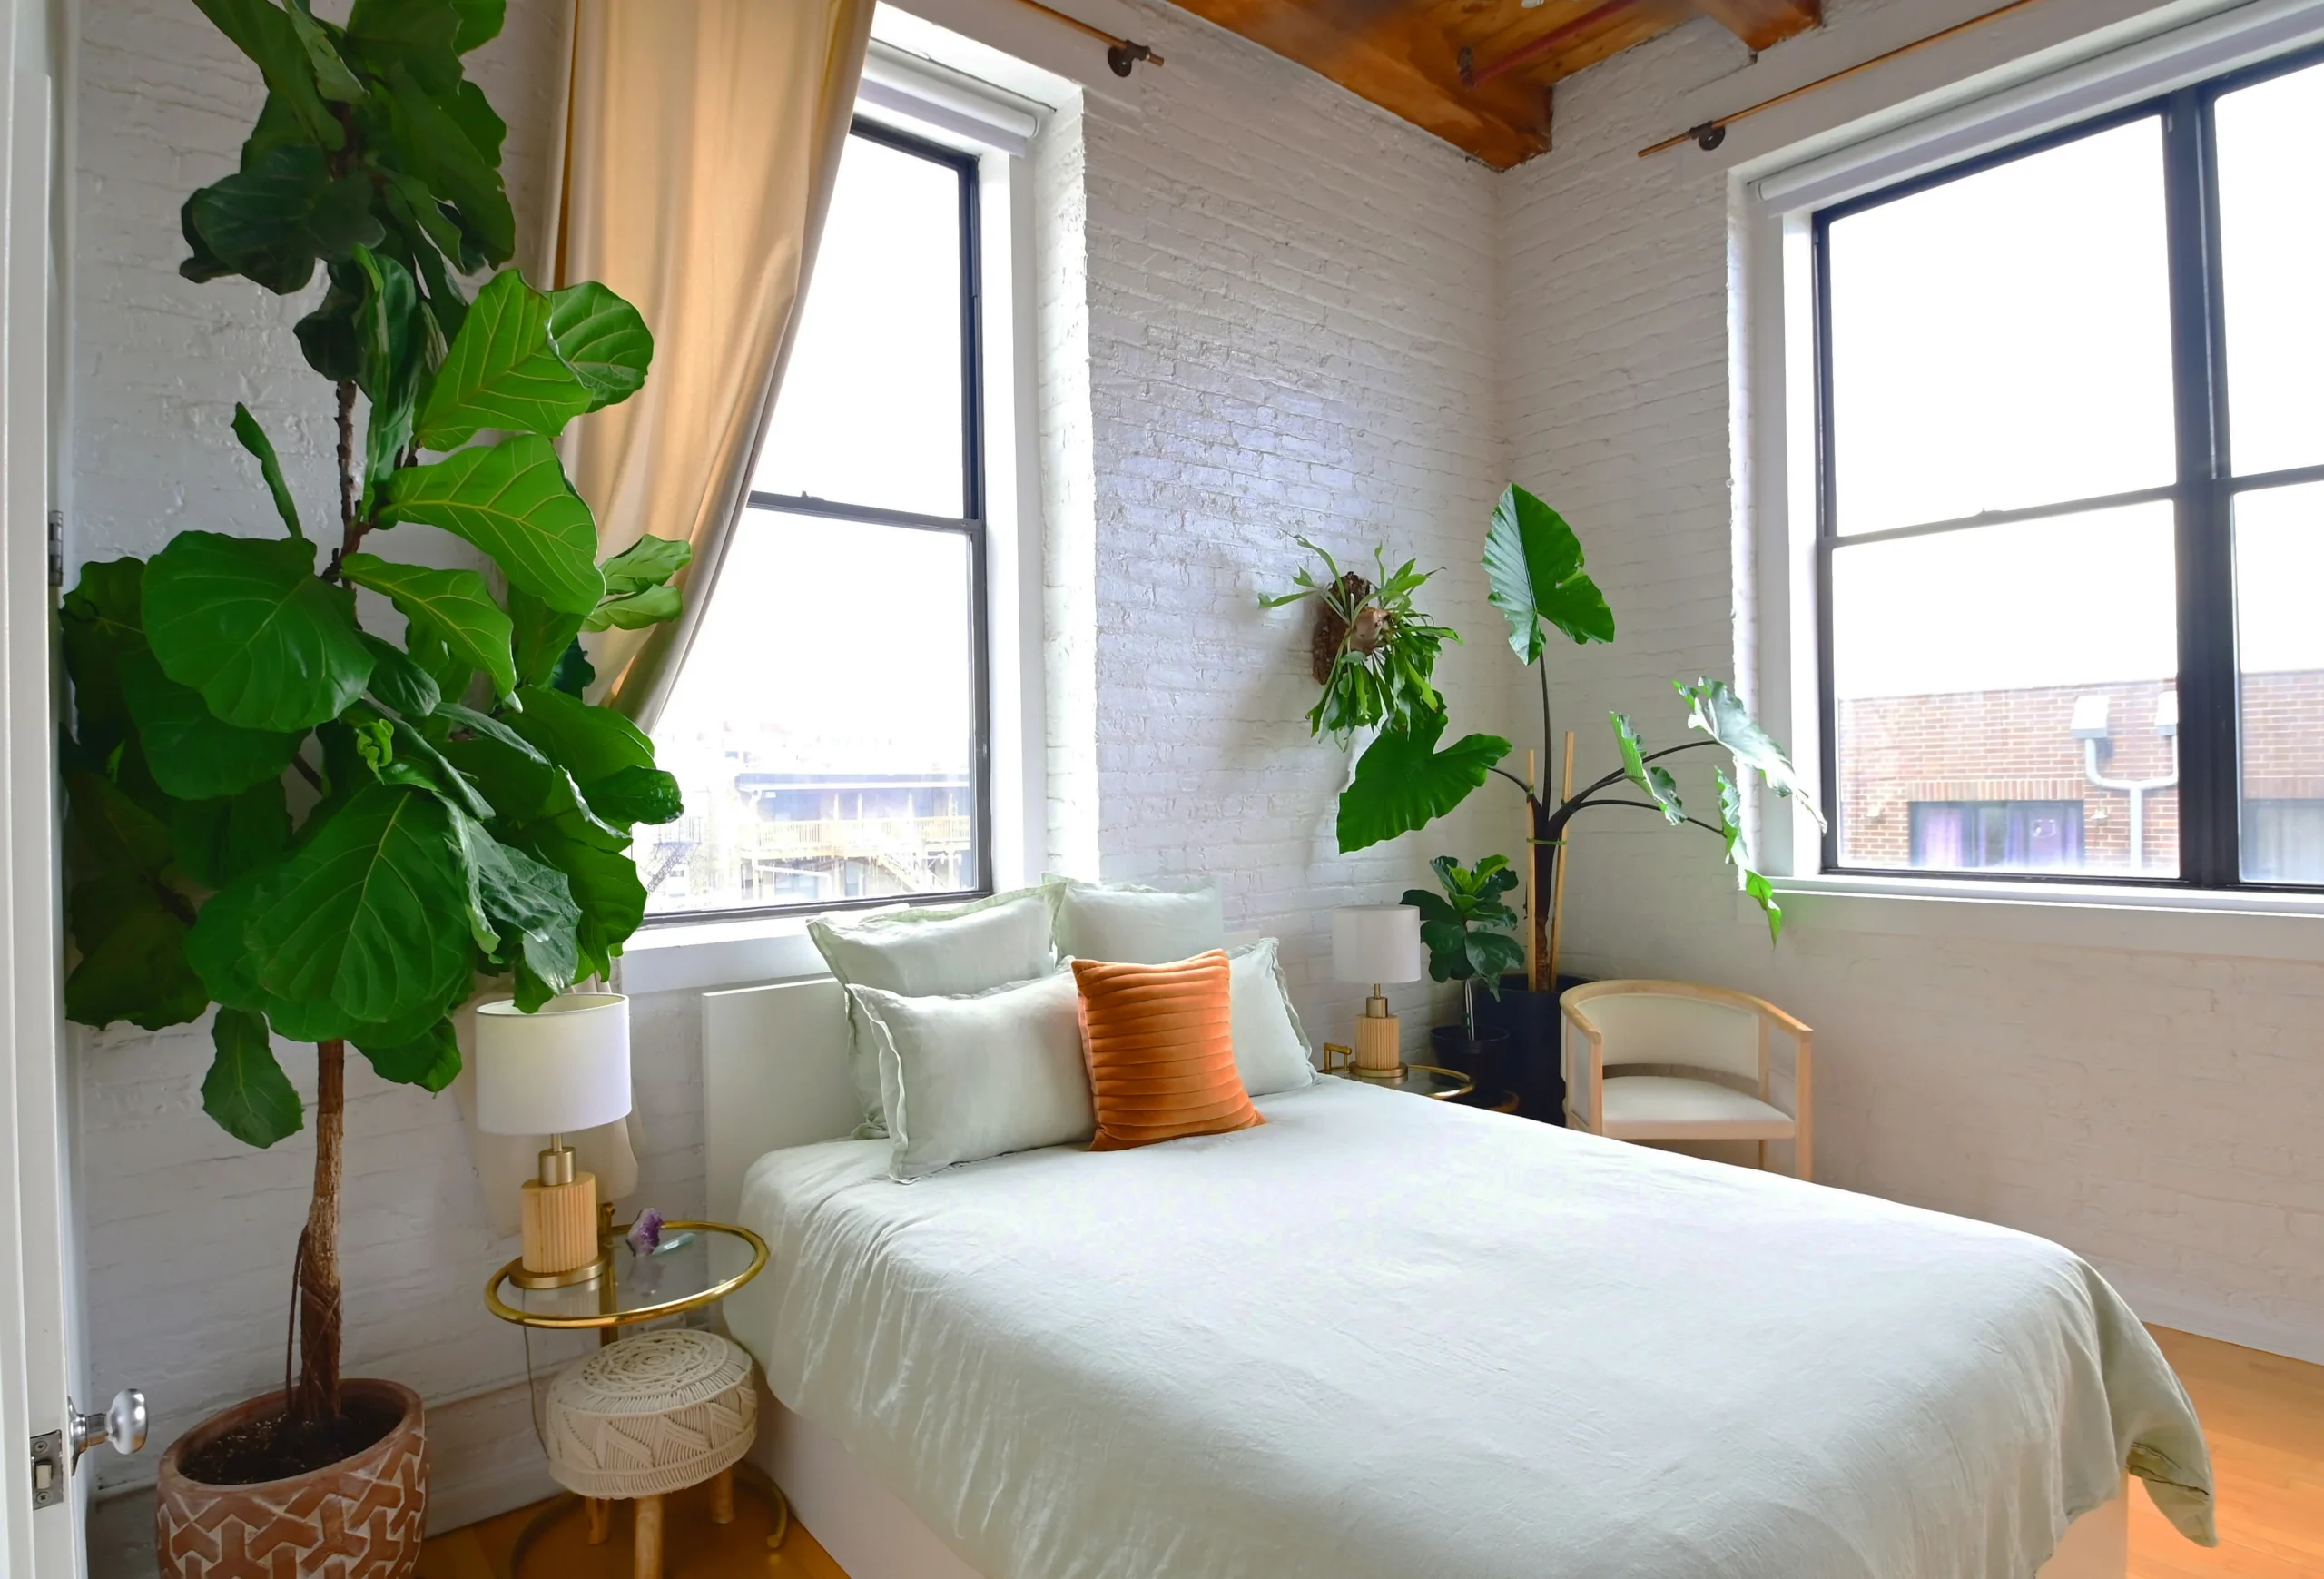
(968, 1040)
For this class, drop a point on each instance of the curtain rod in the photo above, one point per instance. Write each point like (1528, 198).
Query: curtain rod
(1713, 132)
(1120, 52)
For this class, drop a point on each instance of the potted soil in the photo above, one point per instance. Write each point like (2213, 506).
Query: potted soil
(309, 831)
(253, 1491)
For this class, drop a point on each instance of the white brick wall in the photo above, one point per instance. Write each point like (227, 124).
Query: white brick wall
(2155, 1111)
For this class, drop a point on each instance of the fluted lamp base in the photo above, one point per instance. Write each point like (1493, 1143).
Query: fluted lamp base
(561, 1243)
(1379, 1043)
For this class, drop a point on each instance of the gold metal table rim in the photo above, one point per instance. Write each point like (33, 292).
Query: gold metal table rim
(716, 1291)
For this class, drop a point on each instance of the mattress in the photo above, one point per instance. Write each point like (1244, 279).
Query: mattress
(1381, 1337)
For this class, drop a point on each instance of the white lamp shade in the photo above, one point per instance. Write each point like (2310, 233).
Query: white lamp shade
(1377, 942)
(560, 1069)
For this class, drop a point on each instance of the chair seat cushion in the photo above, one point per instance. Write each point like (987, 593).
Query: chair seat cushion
(651, 1415)
(1652, 1106)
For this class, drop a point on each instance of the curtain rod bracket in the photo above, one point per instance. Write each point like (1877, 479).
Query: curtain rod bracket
(1709, 136)
(1125, 54)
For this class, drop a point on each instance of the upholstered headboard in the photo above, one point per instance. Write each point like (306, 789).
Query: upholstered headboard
(773, 1074)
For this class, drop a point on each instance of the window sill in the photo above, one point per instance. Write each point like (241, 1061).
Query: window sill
(2262, 926)
(703, 955)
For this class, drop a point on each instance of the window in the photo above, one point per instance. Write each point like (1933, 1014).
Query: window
(830, 726)
(2070, 508)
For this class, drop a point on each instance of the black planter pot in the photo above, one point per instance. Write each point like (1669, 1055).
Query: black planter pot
(1484, 1059)
(1529, 1020)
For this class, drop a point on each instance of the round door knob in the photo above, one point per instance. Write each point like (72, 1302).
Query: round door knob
(121, 1427)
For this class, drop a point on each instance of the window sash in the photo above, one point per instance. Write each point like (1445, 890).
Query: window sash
(2211, 813)
(971, 526)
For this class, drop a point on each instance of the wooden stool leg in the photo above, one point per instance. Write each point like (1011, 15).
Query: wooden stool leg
(647, 1562)
(601, 1518)
(721, 1496)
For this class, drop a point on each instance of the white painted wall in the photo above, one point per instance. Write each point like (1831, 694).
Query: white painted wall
(2154, 1108)
(1283, 316)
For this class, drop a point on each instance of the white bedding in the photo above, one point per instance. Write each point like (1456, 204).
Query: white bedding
(1380, 1337)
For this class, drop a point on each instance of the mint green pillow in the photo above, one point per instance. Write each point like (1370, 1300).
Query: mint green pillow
(1129, 923)
(934, 950)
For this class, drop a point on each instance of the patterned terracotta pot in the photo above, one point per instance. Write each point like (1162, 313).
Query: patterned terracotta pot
(361, 1518)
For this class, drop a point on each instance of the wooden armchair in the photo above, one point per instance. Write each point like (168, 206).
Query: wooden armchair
(1671, 1061)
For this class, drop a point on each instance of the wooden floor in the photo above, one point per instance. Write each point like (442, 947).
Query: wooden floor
(2264, 1416)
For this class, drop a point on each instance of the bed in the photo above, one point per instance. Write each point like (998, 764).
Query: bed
(1379, 1336)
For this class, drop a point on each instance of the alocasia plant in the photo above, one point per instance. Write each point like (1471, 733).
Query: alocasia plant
(327, 832)
(1534, 575)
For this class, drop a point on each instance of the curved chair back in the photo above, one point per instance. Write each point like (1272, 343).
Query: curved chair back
(1648, 1022)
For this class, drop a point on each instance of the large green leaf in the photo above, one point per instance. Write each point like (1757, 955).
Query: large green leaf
(327, 335)
(391, 355)
(131, 933)
(262, 31)
(503, 371)
(367, 916)
(246, 1090)
(332, 77)
(479, 22)
(604, 883)
(192, 755)
(456, 604)
(399, 682)
(589, 743)
(512, 500)
(270, 467)
(244, 621)
(637, 610)
(101, 623)
(636, 795)
(431, 1060)
(117, 832)
(421, 35)
(525, 906)
(544, 635)
(1651, 776)
(1719, 713)
(603, 340)
(440, 149)
(646, 564)
(270, 224)
(1402, 782)
(1533, 573)
(219, 840)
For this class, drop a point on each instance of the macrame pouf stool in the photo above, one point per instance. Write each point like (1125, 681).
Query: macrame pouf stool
(646, 1416)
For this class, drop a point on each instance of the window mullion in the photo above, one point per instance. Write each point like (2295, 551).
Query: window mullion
(2208, 801)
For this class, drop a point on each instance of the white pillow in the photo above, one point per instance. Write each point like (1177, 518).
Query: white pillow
(1271, 1051)
(929, 952)
(974, 1077)
(1128, 923)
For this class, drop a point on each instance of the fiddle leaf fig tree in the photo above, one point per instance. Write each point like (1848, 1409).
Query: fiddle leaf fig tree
(328, 831)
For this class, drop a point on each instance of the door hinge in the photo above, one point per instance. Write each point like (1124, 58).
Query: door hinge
(56, 549)
(48, 1469)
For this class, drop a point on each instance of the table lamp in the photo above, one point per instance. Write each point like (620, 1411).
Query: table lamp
(1378, 943)
(563, 1068)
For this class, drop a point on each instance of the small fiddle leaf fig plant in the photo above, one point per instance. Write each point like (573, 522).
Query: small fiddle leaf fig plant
(326, 830)
(1469, 932)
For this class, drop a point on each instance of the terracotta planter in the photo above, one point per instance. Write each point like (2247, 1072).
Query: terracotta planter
(361, 1518)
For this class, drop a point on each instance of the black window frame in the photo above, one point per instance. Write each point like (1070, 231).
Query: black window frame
(2202, 494)
(971, 525)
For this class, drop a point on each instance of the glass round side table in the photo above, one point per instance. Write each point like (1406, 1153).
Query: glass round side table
(572, 1536)
(719, 1258)
(1421, 1080)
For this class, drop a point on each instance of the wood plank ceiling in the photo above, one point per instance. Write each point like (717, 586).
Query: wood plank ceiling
(1477, 73)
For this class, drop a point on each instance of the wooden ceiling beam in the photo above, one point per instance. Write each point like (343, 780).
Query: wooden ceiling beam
(1381, 52)
(1763, 24)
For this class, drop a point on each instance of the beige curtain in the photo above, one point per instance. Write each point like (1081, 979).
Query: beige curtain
(702, 141)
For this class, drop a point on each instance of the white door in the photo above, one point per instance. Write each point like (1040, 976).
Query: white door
(41, 1508)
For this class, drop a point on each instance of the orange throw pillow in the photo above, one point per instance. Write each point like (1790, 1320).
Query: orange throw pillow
(1161, 1051)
